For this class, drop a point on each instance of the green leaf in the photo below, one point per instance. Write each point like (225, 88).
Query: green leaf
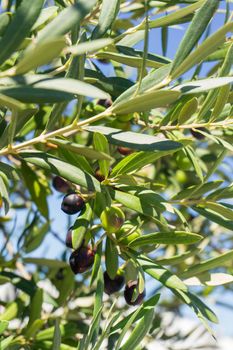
(36, 189)
(10, 312)
(220, 102)
(213, 94)
(195, 162)
(132, 39)
(146, 101)
(201, 310)
(5, 343)
(28, 287)
(98, 306)
(153, 78)
(80, 226)
(11, 103)
(111, 258)
(135, 203)
(4, 280)
(203, 50)
(24, 18)
(89, 46)
(214, 216)
(179, 258)
(136, 161)
(209, 264)
(34, 328)
(74, 158)
(200, 86)
(3, 326)
(139, 331)
(135, 140)
(133, 58)
(56, 337)
(127, 326)
(51, 263)
(97, 263)
(67, 19)
(23, 117)
(194, 31)
(220, 209)
(44, 16)
(221, 142)
(5, 19)
(172, 18)
(189, 108)
(35, 237)
(161, 274)
(67, 330)
(44, 88)
(146, 305)
(101, 145)
(221, 193)
(35, 307)
(197, 191)
(39, 54)
(4, 191)
(175, 237)
(108, 14)
(147, 196)
(63, 169)
(87, 152)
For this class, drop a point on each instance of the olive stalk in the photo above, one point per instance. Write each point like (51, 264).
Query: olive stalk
(65, 131)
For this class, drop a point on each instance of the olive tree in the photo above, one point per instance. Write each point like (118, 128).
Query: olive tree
(139, 147)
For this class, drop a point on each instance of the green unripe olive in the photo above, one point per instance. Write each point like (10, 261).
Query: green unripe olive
(182, 161)
(127, 234)
(181, 176)
(125, 117)
(112, 219)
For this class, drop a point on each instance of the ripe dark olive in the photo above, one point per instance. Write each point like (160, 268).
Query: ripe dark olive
(105, 103)
(125, 151)
(129, 292)
(99, 176)
(69, 239)
(198, 135)
(113, 286)
(60, 184)
(72, 203)
(82, 259)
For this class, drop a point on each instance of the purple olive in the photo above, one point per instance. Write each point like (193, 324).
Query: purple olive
(72, 203)
(82, 259)
(197, 134)
(125, 151)
(104, 103)
(60, 185)
(113, 286)
(69, 239)
(129, 292)
(100, 177)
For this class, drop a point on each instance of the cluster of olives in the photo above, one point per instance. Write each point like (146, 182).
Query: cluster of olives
(82, 259)
(113, 221)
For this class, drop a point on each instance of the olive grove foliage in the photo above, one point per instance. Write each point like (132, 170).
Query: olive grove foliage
(154, 148)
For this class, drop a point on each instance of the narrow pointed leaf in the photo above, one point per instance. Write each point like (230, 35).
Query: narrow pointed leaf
(24, 18)
(135, 140)
(194, 31)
